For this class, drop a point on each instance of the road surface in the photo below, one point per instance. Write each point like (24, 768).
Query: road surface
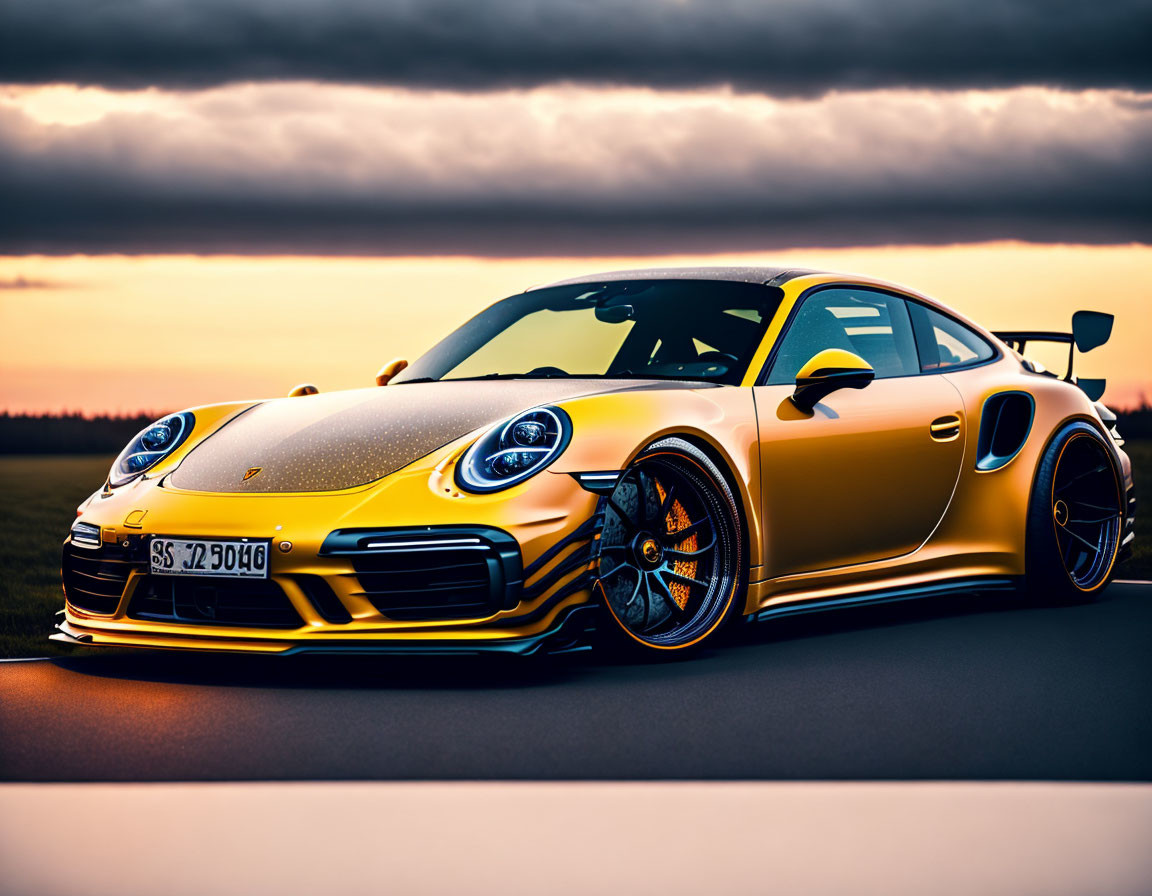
(958, 688)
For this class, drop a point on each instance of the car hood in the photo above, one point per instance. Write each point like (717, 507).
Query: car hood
(340, 440)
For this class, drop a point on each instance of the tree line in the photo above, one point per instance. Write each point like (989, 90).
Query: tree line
(69, 433)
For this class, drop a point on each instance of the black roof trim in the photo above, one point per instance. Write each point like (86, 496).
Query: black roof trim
(771, 276)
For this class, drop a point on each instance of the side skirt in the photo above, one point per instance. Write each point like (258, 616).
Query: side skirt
(886, 596)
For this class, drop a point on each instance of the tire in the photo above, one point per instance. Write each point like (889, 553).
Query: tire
(671, 556)
(1075, 519)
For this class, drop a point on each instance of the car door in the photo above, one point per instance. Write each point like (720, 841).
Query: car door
(868, 474)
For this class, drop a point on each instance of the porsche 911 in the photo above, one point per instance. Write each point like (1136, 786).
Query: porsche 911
(638, 459)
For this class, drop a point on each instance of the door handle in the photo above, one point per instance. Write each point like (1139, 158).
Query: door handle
(946, 428)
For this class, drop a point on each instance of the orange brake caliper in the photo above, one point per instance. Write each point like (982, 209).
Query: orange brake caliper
(676, 520)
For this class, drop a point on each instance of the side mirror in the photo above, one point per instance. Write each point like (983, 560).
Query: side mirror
(389, 370)
(1091, 329)
(828, 371)
(303, 389)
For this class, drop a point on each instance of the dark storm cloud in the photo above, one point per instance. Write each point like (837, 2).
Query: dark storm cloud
(302, 168)
(788, 47)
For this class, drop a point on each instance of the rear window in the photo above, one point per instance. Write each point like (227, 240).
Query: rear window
(944, 342)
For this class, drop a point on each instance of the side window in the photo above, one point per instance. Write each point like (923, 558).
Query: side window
(944, 342)
(870, 324)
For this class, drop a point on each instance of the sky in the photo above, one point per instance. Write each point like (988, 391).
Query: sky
(219, 199)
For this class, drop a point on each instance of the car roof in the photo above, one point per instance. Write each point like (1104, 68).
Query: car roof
(772, 276)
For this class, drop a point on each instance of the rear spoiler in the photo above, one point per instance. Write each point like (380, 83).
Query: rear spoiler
(1090, 329)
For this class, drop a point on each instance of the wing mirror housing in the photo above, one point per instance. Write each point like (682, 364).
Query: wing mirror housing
(303, 389)
(827, 372)
(389, 370)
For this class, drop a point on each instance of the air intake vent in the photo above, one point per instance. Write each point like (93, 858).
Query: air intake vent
(1004, 426)
(324, 599)
(212, 600)
(94, 577)
(432, 573)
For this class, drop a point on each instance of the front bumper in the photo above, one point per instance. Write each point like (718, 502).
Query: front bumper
(512, 586)
(570, 632)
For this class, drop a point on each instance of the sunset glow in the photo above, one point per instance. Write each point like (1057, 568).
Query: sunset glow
(123, 334)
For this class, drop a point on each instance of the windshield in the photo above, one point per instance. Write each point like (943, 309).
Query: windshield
(650, 329)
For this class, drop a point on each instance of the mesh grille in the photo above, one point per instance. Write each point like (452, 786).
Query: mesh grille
(210, 600)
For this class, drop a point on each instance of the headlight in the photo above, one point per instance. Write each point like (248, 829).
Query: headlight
(512, 451)
(150, 446)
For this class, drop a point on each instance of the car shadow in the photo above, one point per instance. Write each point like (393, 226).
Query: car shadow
(325, 671)
(500, 672)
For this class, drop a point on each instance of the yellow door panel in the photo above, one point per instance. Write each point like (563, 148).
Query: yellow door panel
(866, 476)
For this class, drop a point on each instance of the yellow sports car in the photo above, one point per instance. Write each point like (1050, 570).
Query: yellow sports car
(641, 456)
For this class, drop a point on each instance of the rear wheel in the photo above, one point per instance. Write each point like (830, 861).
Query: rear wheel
(1075, 518)
(670, 552)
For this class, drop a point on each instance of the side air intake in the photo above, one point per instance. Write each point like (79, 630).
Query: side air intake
(1004, 426)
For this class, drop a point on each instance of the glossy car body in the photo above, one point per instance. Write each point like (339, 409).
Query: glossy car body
(877, 493)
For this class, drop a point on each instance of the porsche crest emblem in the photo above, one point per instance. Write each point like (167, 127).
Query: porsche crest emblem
(252, 471)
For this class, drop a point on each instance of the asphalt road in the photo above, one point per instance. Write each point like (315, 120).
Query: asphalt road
(958, 688)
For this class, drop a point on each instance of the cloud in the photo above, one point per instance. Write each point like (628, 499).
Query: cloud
(787, 47)
(305, 168)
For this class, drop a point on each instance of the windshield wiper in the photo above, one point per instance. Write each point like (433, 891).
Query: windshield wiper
(510, 376)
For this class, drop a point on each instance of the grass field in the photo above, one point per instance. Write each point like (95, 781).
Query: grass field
(41, 493)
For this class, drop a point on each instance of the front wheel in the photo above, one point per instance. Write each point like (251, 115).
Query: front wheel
(670, 552)
(1075, 518)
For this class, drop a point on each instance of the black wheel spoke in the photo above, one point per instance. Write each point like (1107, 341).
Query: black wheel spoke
(690, 529)
(632, 524)
(619, 567)
(1090, 545)
(1069, 483)
(688, 579)
(1095, 521)
(669, 497)
(1089, 506)
(646, 490)
(698, 552)
(666, 593)
(635, 591)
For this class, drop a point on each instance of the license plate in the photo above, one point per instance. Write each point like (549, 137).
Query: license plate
(199, 557)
